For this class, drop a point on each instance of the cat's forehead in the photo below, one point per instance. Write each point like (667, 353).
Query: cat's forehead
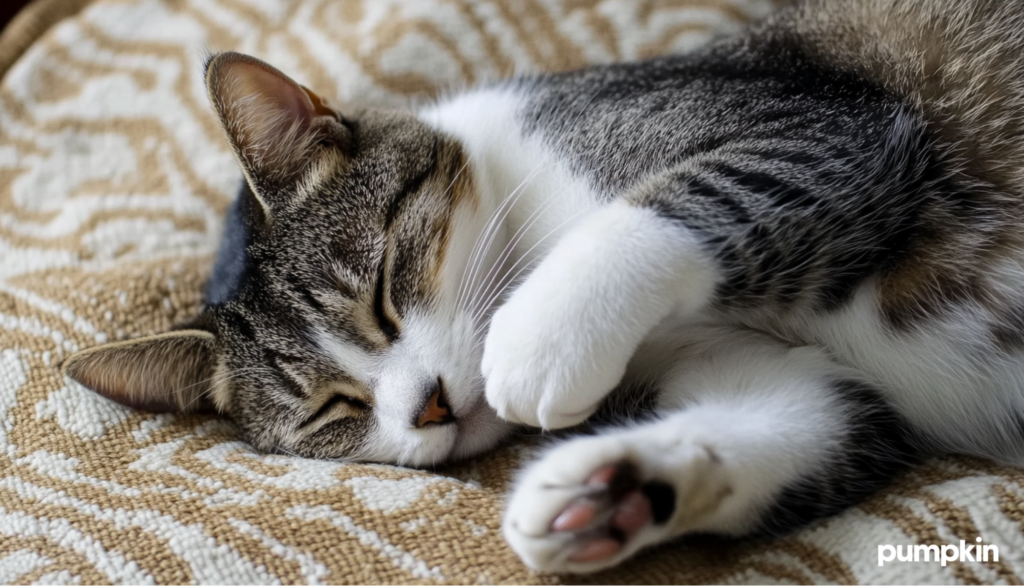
(340, 212)
(389, 147)
(333, 247)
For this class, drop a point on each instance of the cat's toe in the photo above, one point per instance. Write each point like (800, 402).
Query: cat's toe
(613, 511)
(612, 489)
(599, 522)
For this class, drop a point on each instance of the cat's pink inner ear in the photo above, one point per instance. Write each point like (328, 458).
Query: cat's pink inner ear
(169, 372)
(271, 119)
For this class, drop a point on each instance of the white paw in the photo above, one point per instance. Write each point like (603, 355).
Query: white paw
(595, 501)
(547, 360)
(562, 341)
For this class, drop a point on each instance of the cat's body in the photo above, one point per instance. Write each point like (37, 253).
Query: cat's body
(795, 256)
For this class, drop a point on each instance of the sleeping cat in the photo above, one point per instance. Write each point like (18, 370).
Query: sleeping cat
(789, 264)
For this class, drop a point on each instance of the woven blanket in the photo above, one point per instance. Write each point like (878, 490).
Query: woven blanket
(113, 180)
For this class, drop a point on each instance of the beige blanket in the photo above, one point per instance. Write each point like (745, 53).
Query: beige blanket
(113, 178)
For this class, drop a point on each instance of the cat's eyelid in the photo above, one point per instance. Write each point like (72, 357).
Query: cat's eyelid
(330, 404)
(387, 325)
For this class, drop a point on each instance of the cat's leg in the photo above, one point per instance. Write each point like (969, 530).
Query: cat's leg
(754, 436)
(773, 225)
(563, 339)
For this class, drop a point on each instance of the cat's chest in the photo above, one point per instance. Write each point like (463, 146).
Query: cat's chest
(525, 186)
(547, 202)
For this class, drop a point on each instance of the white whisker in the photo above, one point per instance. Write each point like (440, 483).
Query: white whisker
(495, 269)
(481, 248)
(478, 317)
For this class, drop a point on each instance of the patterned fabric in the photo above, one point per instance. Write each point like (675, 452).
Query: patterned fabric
(113, 179)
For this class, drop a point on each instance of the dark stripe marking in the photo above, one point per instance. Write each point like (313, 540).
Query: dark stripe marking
(330, 404)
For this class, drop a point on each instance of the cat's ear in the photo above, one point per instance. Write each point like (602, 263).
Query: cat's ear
(274, 124)
(169, 372)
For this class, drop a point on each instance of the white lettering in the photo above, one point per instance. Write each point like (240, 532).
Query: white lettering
(943, 553)
(927, 549)
(881, 558)
(950, 553)
(995, 553)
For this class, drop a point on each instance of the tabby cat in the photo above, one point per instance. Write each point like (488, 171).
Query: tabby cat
(787, 265)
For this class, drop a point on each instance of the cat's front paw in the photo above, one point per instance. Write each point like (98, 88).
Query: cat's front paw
(562, 341)
(593, 502)
(542, 363)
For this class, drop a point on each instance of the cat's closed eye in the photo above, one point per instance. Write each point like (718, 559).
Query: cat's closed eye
(329, 405)
(388, 326)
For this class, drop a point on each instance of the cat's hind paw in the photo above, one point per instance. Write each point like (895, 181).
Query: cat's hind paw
(594, 502)
(613, 509)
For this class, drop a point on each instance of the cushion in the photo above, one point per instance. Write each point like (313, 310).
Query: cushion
(113, 180)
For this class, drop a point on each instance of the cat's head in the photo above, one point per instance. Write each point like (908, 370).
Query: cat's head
(346, 331)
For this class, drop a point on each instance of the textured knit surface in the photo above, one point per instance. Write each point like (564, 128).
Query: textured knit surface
(113, 179)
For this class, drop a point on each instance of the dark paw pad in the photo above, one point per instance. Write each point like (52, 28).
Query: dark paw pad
(663, 500)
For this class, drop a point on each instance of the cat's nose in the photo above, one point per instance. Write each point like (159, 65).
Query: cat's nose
(436, 410)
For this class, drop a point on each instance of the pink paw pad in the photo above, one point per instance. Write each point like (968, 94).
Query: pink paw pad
(612, 511)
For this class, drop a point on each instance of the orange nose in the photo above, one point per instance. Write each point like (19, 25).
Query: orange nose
(436, 410)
